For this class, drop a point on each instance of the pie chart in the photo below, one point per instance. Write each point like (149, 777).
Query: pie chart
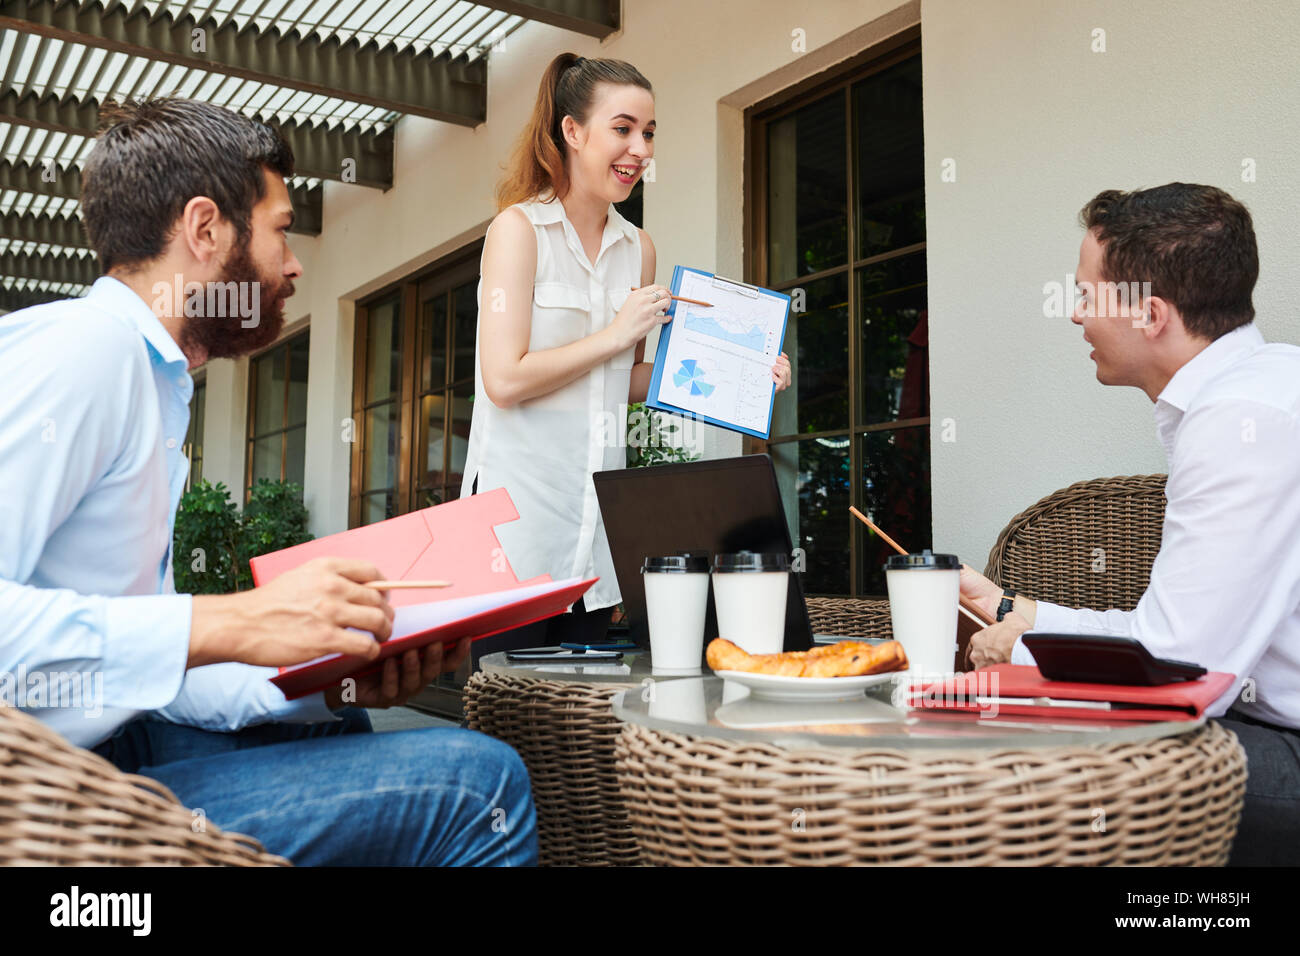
(692, 376)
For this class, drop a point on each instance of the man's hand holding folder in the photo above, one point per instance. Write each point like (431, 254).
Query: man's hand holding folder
(306, 613)
(302, 614)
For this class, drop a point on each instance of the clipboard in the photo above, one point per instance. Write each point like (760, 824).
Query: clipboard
(693, 377)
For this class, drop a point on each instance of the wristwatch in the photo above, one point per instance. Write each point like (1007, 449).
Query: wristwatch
(1008, 602)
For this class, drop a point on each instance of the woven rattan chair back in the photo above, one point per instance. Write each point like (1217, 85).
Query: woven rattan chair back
(66, 806)
(1089, 545)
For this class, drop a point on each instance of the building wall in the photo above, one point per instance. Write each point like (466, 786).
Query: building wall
(707, 62)
(1034, 123)
(1037, 123)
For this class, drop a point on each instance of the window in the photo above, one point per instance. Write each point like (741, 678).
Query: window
(836, 213)
(277, 412)
(414, 390)
(194, 436)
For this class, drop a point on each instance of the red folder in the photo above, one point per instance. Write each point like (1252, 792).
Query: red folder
(455, 541)
(972, 691)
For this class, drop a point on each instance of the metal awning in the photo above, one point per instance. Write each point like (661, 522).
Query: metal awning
(334, 76)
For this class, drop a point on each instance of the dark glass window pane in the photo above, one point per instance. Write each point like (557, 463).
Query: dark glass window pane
(817, 341)
(266, 457)
(268, 382)
(431, 443)
(890, 159)
(383, 350)
(380, 466)
(466, 318)
(631, 207)
(462, 407)
(894, 339)
(194, 435)
(433, 338)
(377, 507)
(895, 496)
(807, 211)
(298, 352)
(814, 476)
(295, 454)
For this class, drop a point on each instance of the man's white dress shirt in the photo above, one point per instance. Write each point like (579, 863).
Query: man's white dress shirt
(1225, 586)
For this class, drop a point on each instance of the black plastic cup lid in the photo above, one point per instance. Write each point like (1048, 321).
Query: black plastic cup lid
(680, 563)
(925, 561)
(751, 561)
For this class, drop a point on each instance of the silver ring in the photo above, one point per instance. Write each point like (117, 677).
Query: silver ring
(658, 295)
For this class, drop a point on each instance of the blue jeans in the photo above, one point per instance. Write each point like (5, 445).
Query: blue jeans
(340, 794)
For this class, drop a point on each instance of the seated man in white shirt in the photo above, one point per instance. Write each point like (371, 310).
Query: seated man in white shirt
(1225, 586)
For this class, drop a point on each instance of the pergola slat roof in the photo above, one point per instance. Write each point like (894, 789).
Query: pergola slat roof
(334, 76)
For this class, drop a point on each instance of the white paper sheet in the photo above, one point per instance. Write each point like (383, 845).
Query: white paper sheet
(414, 618)
(719, 360)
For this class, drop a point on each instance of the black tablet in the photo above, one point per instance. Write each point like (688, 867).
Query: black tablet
(1093, 659)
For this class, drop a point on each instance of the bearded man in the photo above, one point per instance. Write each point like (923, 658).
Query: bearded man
(186, 207)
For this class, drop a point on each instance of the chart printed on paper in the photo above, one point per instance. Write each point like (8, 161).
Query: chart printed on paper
(719, 359)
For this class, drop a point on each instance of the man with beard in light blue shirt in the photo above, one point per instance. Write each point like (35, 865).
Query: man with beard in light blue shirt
(186, 207)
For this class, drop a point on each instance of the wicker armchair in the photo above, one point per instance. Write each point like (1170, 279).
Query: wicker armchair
(850, 617)
(1089, 545)
(64, 806)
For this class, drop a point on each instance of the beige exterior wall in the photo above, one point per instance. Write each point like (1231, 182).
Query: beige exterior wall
(1035, 122)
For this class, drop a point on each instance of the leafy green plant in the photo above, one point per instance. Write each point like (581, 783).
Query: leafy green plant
(650, 438)
(213, 541)
(274, 518)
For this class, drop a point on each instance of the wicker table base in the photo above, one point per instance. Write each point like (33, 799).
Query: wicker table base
(565, 733)
(1171, 801)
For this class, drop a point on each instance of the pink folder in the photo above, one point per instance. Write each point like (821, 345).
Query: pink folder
(455, 541)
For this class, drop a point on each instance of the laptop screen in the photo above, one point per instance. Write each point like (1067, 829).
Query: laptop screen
(701, 507)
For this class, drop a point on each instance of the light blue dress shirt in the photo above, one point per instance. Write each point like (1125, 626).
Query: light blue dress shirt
(94, 407)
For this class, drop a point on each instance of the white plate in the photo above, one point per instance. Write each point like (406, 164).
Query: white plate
(776, 687)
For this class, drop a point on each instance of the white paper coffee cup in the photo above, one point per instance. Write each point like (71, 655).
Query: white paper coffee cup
(676, 600)
(749, 594)
(923, 595)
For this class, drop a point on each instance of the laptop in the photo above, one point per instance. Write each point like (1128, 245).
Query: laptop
(709, 507)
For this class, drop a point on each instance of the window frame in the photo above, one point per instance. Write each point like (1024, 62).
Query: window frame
(250, 437)
(439, 278)
(200, 378)
(838, 79)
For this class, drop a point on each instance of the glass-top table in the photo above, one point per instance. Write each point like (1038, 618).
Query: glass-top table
(635, 668)
(708, 706)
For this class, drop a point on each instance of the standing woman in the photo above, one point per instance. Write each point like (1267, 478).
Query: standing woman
(561, 338)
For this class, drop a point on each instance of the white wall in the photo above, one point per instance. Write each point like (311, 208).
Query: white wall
(707, 62)
(1037, 124)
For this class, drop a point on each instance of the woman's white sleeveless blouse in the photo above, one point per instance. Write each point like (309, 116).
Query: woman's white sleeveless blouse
(544, 451)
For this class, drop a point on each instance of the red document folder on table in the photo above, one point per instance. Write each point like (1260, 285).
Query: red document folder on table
(976, 691)
(456, 542)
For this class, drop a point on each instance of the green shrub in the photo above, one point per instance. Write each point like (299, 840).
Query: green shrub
(649, 438)
(213, 541)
